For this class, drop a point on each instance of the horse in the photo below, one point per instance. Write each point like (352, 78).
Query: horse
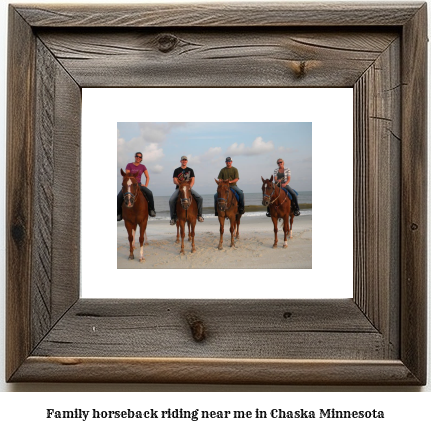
(187, 212)
(135, 212)
(227, 207)
(279, 207)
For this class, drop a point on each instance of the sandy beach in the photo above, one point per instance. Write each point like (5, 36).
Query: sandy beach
(252, 250)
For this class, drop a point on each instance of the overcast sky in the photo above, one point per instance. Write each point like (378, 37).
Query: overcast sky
(254, 148)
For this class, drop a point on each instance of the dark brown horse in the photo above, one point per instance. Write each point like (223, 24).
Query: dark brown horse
(187, 212)
(135, 212)
(227, 207)
(279, 208)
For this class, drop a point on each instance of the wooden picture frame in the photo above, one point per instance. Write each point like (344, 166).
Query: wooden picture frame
(378, 337)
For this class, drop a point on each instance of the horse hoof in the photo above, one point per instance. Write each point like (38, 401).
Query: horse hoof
(177, 242)
(274, 246)
(142, 260)
(220, 247)
(131, 257)
(284, 246)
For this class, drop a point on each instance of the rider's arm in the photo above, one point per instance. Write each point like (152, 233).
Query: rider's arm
(192, 181)
(235, 180)
(147, 178)
(287, 181)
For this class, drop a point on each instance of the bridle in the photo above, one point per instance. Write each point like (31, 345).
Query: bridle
(185, 199)
(225, 200)
(273, 191)
(133, 196)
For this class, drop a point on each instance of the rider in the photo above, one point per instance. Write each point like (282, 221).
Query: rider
(230, 173)
(180, 174)
(134, 167)
(282, 176)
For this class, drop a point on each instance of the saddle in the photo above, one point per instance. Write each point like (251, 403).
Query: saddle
(288, 193)
(235, 194)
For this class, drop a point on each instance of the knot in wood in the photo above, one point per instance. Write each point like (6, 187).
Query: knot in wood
(414, 226)
(197, 327)
(287, 314)
(18, 233)
(167, 42)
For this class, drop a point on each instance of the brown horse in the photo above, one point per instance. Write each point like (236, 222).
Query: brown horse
(279, 208)
(227, 207)
(187, 212)
(135, 212)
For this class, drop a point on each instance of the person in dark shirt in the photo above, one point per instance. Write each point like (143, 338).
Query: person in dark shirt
(181, 174)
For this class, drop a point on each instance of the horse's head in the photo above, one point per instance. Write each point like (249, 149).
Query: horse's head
(130, 188)
(268, 189)
(222, 194)
(185, 192)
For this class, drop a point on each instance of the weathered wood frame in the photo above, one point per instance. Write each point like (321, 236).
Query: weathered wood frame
(378, 337)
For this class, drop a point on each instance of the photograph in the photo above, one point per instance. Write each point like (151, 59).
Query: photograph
(214, 195)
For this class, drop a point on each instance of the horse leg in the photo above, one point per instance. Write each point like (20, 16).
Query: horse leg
(142, 228)
(237, 221)
(145, 238)
(291, 225)
(274, 221)
(188, 225)
(221, 221)
(177, 241)
(232, 230)
(285, 230)
(131, 237)
(192, 236)
(182, 229)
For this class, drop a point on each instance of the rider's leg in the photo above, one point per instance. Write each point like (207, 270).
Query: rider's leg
(294, 200)
(215, 205)
(172, 204)
(149, 195)
(199, 200)
(241, 198)
(120, 200)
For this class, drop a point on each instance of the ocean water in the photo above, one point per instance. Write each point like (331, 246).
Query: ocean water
(161, 204)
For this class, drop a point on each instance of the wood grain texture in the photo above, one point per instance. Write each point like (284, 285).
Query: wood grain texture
(378, 337)
(414, 226)
(220, 15)
(215, 371)
(19, 196)
(269, 329)
(377, 192)
(214, 57)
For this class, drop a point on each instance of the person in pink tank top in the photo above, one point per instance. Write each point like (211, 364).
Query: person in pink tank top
(138, 167)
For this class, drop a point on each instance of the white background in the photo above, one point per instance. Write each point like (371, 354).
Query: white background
(330, 111)
(404, 408)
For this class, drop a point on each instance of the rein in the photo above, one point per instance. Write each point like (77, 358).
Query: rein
(226, 200)
(271, 202)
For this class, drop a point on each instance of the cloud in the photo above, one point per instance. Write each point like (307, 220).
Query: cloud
(193, 160)
(157, 169)
(157, 132)
(210, 155)
(259, 146)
